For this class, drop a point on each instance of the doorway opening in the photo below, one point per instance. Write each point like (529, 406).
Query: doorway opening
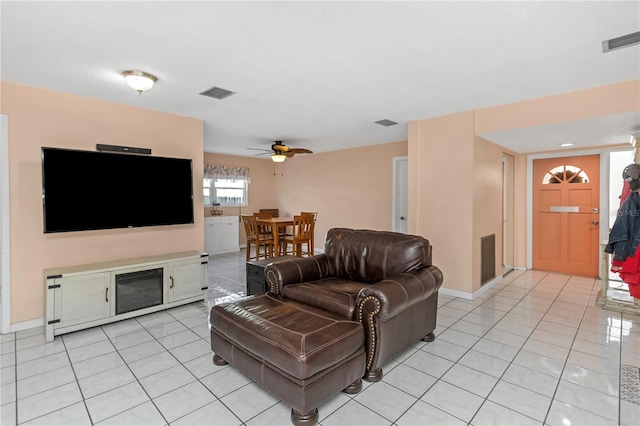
(400, 194)
(617, 292)
(508, 213)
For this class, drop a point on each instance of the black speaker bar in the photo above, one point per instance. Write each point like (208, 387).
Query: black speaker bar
(125, 149)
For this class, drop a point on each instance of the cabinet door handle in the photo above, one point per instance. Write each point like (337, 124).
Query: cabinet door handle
(171, 278)
(106, 294)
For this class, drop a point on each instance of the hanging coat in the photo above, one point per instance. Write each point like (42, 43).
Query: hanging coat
(624, 237)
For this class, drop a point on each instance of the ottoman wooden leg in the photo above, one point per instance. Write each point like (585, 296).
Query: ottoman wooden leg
(217, 360)
(311, 418)
(429, 337)
(353, 388)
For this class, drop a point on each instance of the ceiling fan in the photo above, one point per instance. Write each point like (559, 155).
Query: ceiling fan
(280, 152)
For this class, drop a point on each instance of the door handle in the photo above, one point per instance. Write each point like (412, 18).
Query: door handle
(171, 278)
(595, 222)
(402, 218)
(106, 294)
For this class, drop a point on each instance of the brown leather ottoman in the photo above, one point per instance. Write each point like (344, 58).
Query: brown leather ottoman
(301, 354)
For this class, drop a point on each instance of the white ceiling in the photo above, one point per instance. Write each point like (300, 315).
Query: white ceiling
(318, 74)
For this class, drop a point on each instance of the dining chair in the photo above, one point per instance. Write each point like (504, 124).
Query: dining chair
(315, 217)
(302, 234)
(275, 212)
(254, 237)
(283, 234)
(264, 229)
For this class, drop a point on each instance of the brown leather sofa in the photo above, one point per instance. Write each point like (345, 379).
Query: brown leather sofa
(383, 280)
(331, 319)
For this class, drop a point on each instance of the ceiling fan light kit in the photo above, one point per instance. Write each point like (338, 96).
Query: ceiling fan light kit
(139, 80)
(280, 152)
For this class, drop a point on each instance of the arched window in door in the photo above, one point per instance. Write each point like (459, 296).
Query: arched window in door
(565, 173)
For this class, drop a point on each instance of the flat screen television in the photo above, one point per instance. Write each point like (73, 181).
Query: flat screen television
(90, 190)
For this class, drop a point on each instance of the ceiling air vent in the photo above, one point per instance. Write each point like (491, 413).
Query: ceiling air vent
(217, 93)
(620, 42)
(386, 122)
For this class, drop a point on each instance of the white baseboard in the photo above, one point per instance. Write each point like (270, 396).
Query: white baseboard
(25, 325)
(467, 295)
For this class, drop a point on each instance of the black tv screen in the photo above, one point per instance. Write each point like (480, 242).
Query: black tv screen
(89, 190)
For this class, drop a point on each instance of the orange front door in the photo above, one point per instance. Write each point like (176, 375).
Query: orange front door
(566, 194)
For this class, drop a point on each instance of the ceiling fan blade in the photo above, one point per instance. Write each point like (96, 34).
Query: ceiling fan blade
(260, 149)
(262, 153)
(300, 151)
(289, 154)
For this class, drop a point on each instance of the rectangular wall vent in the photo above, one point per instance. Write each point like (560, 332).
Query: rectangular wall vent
(217, 93)
(487, 258)
(620, 42)
(386, 122)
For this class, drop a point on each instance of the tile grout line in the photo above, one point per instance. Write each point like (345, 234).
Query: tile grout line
(71, 364)
(137, 380)
(485, 399)
(586, 306)
(564, 365)
(454, 363)
(437, 378)
(519, 350)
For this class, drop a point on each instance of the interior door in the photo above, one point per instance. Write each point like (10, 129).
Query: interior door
(566, 194)
(400, 193)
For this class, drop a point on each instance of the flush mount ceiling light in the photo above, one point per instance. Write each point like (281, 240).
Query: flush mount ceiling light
(278, 158)
(566, 144)
(139, 80)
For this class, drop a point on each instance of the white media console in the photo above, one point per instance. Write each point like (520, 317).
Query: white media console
(83, 296)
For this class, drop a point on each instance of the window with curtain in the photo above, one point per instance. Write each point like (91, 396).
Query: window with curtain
(225, 185)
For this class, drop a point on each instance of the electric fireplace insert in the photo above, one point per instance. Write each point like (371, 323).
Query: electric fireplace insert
(138, 290)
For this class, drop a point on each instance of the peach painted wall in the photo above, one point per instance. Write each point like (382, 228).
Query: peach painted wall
(38, 118)
(350, 188)
(261, 190)
(487, 195)
(441, 173)
(578, 105)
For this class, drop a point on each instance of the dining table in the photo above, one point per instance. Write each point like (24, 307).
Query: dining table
(276, 223)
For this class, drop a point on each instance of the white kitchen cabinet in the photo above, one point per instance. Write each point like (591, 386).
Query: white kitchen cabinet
(221, 234)
(83, 296)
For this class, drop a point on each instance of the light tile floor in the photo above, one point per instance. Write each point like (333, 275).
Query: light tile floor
(533, 350)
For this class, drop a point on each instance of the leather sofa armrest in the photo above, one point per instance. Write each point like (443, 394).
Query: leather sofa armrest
(296, 271)
(394, 295)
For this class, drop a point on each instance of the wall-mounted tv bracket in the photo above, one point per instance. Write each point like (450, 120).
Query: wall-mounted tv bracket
(126, 149)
